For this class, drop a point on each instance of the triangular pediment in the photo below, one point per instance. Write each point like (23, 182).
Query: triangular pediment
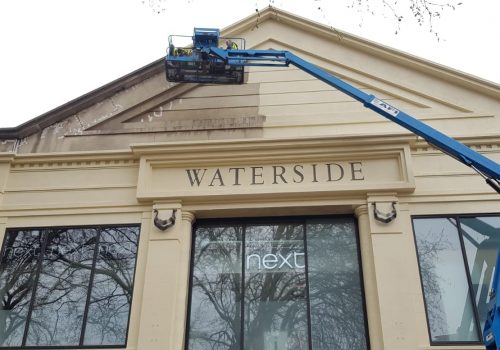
(273, 101)
(274, 96)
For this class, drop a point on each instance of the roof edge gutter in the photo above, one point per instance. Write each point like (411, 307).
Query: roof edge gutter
(60, 113)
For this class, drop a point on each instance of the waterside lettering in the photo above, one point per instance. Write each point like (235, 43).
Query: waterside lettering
(275, 174)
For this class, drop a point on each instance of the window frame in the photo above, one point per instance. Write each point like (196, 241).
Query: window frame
(457, 218)
(270, 220)
(89, 288)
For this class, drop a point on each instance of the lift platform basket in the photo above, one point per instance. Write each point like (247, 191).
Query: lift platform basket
(189, 61)
(203, 71)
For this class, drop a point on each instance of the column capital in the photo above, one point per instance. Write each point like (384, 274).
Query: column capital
(361, 210)
(188, 216)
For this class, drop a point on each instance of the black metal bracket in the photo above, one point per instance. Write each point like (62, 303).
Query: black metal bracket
(384, 217)
(164, 224)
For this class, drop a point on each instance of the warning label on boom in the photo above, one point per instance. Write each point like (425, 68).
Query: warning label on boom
(384, 106)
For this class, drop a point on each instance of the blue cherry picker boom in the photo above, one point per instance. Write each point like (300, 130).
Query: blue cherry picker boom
(203, 60)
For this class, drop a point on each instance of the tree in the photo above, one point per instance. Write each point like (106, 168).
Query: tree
(424, 12)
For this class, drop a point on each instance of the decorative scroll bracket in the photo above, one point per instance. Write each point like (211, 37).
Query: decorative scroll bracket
(384, 217)
(164, 224)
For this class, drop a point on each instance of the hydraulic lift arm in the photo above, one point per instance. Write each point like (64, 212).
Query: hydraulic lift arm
(205, 62)
(487, 168)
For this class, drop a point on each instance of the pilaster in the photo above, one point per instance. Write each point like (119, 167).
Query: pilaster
(369, 279)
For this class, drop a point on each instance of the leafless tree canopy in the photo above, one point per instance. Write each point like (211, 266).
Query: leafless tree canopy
(423, 12)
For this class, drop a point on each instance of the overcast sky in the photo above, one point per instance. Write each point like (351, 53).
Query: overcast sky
(53, 51)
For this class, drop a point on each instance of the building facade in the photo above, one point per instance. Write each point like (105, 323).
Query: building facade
(152, 215)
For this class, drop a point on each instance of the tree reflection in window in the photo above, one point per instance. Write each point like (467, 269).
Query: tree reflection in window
(216, 289)
(20, 255)
(112, 287)
(275, 288)
(74, 286)
(457, 259)
(337, 307)
(250, 286)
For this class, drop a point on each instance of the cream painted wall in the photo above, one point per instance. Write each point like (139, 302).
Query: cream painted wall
(122, 156)
(113, 188)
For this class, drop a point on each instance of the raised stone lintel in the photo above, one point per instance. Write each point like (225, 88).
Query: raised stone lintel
(260, 169)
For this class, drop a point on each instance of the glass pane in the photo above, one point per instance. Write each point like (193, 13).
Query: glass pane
(482, 240)
(275, 288)
(216, 289)
(113, 283)
(61, 292)
(335, 294)
(449, 307)
(17, 275)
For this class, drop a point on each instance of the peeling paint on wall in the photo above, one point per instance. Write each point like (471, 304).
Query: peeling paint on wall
(19, 143)
(158, 113)
(9, 145)
(56, 128)
(116, 109)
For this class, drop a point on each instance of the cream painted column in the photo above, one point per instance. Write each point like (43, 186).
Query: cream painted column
(3, 225)
(166, 284)
(5, 161)
(178, 337)
(369, 279)
(5, 164)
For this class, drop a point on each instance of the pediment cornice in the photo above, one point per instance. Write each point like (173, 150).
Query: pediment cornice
(250, 23)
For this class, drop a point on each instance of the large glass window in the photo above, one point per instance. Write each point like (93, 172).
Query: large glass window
(68, 287)
(285, 284)
(457, 259)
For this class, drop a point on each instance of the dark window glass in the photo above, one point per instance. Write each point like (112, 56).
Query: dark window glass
(444, 278)
(61, 290)
(271, 285)
(336, 297)
(216, 292)
(74, 286)
(112, 286)
(481, 240)
(275, 288)
(457, 258)
(20, 256)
